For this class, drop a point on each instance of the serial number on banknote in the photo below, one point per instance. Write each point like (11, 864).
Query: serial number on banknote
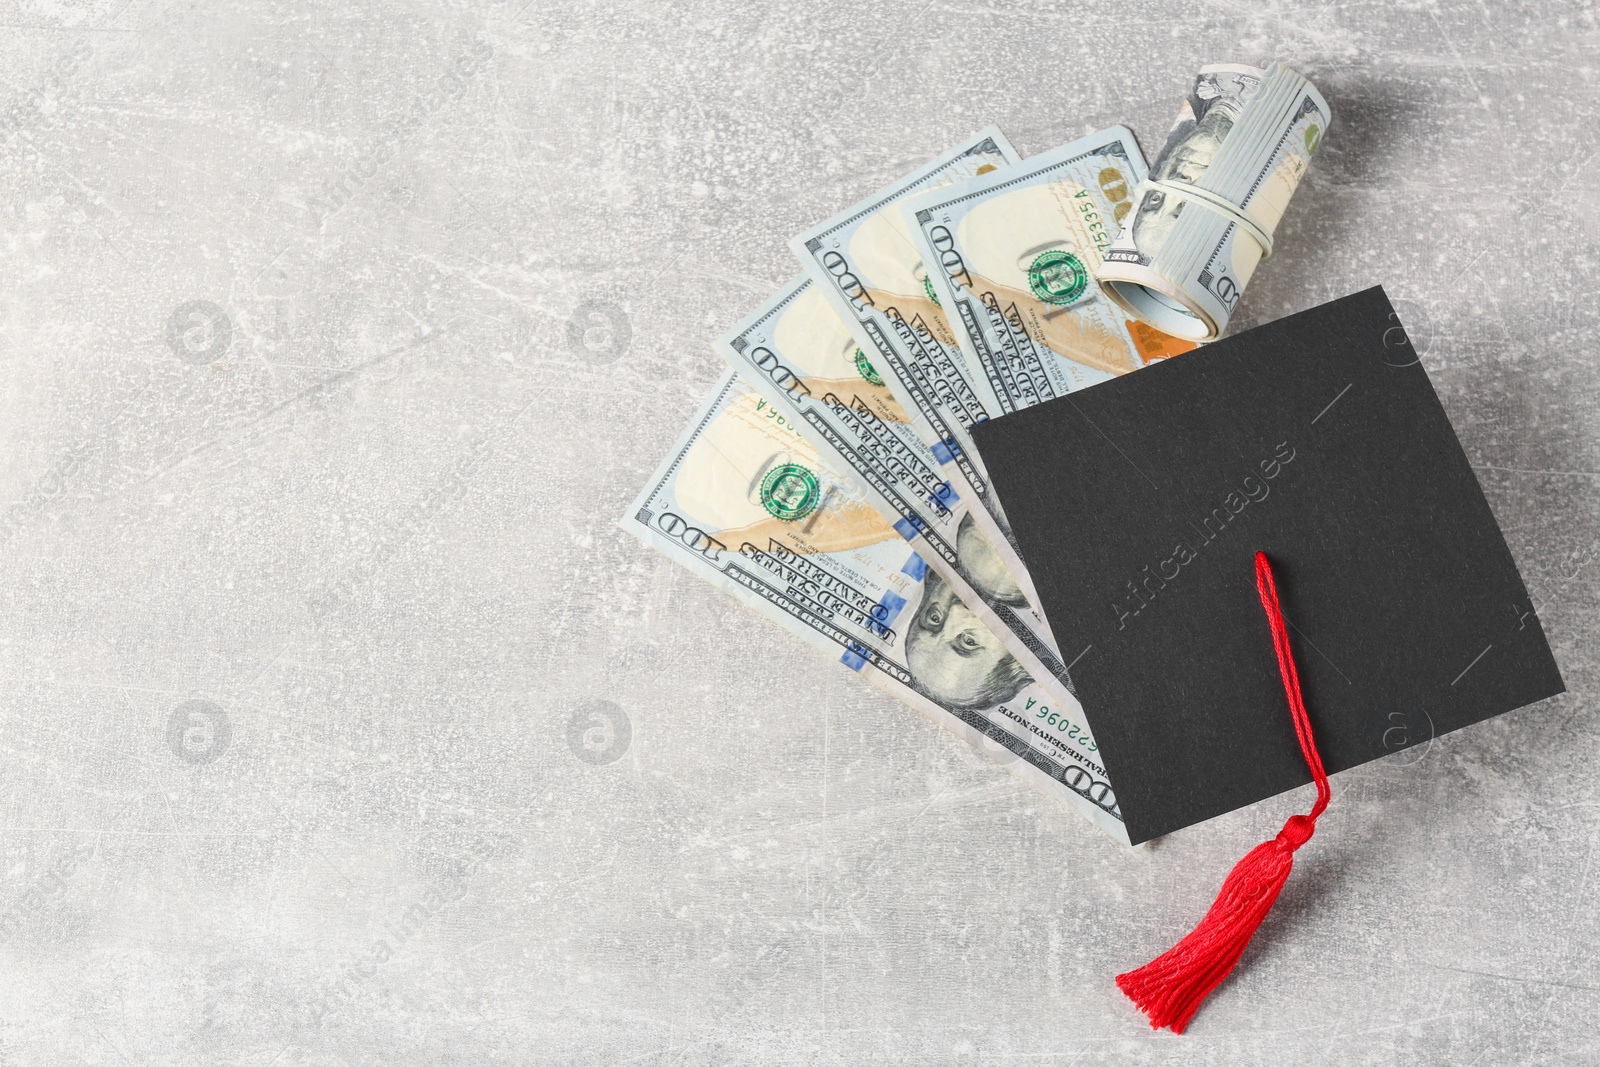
(1074, 733)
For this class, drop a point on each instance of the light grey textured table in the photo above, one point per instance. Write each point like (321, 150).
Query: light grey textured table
(303, 613)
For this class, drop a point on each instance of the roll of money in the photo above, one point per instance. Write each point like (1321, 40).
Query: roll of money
(1206, 214)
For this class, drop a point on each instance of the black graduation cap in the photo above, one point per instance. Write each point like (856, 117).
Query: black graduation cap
(1139, 505)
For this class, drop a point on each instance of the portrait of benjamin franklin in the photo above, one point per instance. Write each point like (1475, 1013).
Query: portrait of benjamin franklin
(954, 658)
(1190, 148)
(983, 567)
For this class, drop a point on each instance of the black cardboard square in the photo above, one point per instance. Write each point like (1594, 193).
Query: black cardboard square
(1138, 505)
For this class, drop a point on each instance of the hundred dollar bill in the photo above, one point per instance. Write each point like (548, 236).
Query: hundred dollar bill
(745, 502)
(1012, 257)
(866, 265)
(801, 356)
(1205, 217)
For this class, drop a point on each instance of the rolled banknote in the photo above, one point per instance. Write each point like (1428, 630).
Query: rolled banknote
(747, 503)
(1013, 256)
(801, 356)
(867, 267)
(1205, 216)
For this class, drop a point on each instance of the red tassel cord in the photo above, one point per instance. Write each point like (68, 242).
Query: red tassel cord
(1170, 988)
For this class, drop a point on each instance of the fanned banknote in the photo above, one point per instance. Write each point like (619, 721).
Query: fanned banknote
(747, 503)
(802, 357)
(866, 265)
(864, 261)
(1012, 256)
(1205, 217)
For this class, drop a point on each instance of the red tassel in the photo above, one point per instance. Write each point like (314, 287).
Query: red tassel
(1170, 988)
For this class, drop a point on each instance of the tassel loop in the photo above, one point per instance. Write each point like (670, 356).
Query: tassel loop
(1170, 988)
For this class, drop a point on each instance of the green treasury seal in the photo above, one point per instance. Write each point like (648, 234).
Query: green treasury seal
(1058, 277)
(865, 368)
(790, 492)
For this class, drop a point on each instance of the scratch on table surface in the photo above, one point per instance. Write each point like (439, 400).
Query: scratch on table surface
(1514, 978)
(1537, 470)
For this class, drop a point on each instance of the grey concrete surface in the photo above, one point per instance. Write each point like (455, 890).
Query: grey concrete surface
(336, 336)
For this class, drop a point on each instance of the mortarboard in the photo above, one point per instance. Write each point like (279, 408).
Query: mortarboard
(1139, 506)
